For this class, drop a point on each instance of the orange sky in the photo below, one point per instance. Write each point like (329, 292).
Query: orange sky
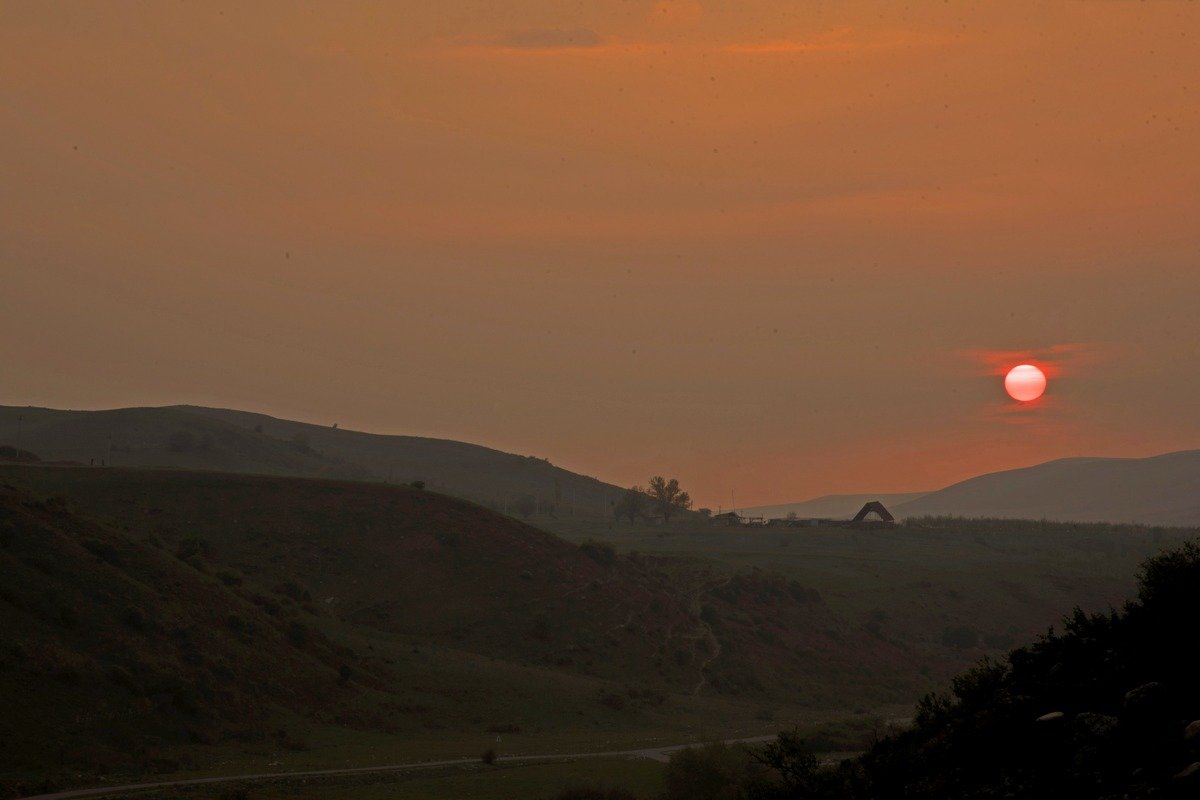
(774, 247)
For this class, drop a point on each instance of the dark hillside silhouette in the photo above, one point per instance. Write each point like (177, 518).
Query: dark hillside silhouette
(192, 437)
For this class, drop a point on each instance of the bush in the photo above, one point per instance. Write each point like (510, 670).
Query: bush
(593, 793)
(229, 579)
(10, 453)
(294, 590)
(134, 618)
(267, 604)
(960, 637)
(1124, 686)
(100, 549)
(541, 629)
(613, 700)
(488, 756)
(1169, 579)
(792, 760)
(602, 553)
(297, 634)
(715, 771)
(68, 617)
(191, 547)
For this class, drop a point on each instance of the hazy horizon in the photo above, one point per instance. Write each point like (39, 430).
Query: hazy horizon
(783, 251)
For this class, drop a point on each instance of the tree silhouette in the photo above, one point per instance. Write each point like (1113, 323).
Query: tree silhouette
(667, 496)
(632, 504)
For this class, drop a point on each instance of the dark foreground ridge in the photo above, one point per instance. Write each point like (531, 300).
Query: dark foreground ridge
(1108, 709)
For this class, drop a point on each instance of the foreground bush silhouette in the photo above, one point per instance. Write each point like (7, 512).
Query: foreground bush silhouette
(1113, 693)
(1106, 709)
(715, 771)
(593, 793)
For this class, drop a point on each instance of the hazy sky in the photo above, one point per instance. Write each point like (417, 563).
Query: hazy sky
(773, 246)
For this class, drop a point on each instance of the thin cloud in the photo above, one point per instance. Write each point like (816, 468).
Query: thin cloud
(1054, 360)
(837, 40)
(536, 40)
(550, 38)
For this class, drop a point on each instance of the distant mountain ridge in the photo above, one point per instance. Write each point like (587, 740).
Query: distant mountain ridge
(1159, 490)
(225, 440)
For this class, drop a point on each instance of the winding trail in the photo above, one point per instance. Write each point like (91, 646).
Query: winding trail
(714, 642)
(653, 753)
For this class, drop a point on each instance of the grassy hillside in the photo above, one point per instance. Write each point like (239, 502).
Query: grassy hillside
(102, 633)
(191, 437)
(1163, 490)
(196, 618)
(949, 591)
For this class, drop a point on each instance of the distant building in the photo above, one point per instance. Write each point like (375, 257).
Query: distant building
(728, 518)
(882, 515)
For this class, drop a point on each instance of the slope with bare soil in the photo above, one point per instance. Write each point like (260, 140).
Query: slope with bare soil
(370, 607)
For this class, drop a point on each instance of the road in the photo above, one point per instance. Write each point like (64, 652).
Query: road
(652, 753)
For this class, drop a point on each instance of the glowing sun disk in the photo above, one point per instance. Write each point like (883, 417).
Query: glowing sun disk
(1025, 383)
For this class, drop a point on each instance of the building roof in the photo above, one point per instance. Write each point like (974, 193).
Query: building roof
(877, 507)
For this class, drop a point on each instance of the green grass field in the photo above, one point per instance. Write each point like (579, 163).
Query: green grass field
(641, 777)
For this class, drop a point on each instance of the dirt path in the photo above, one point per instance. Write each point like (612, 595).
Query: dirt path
(652, 753)
(709, 633)
(715, 646)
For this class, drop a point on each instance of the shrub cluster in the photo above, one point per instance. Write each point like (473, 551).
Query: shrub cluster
(1109, 708)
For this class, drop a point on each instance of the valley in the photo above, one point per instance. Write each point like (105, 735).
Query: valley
(208, 623)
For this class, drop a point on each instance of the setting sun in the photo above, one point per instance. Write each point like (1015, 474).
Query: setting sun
(1025, 383)
(469, 399)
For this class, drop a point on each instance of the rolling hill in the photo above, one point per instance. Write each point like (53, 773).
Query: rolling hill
(1162, 490)
(192, 437)
(191, 616)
